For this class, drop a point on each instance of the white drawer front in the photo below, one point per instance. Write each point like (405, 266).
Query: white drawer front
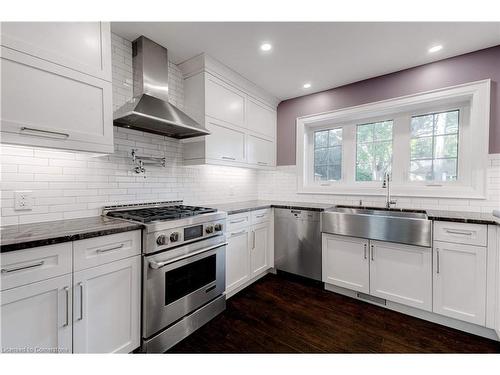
(462, 233)
(38, 263)
(99, 250)
(238, 221)
(261, 216)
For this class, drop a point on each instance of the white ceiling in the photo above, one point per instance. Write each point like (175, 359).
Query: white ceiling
(325, 54)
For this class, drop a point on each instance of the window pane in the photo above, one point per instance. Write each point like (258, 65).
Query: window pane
(373, 150)
(421, 148)
(421, 170)
(334, 172)
(445, 170)
(383, 131)
(422, 125)
(320, 173)
(446, 146)
(335, 137)
(335, 155)
(364, 172)
(446, 123)
(321, 139)
(364, 133)
(321, 156)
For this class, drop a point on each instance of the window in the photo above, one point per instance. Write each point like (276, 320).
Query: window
(434, 144)
(434, 147)
(328, 155)
(373, 150)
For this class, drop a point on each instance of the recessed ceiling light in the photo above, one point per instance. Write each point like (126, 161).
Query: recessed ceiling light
(439, 47)
(306, 85)
(266, 47)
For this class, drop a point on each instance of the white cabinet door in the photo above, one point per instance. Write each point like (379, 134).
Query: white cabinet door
(82, 46)
(48, 105)
(37, 317)
(401, 273)
(260, 151)
(224, 143)
(260, 119)
(460, 281)
(237, 258)
(345, 262)
(259, 248)
(224, 102)
(107, 307)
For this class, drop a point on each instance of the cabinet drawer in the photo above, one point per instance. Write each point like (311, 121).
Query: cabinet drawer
(462, 233)
(238, 221)
(99, 250)
(261, 216)
(38, 263)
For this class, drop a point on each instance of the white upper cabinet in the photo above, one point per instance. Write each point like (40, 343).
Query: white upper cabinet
(240, 116)
(223, 102)
(401, 273)
(460, 281)
(260, 152)
(260, 118)
(82, 46)
(56, 86)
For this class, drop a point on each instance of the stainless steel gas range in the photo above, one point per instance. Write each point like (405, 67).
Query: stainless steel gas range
(183, 278)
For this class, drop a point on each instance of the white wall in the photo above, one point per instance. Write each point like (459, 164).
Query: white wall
(73, 184)
(281, 184)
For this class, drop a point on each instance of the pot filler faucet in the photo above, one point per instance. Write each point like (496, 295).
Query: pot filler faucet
(387, 185)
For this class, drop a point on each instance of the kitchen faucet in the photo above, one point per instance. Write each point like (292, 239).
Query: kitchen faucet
(387, 185)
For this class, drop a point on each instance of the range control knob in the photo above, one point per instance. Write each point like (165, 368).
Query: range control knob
(174, 237)
(161, 240)
(209, 229)
(218, 227)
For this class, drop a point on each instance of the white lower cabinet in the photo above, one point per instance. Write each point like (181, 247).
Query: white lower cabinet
(345, 262)
(401, 273)
(460, 281)
(249, 250)
(36, 318)
(107, 307)
(260, 248)
(237, 258)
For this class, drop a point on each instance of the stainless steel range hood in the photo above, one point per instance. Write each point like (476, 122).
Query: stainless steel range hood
(149, 109)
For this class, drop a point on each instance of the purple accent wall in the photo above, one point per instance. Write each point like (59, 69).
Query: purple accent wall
(470, 67)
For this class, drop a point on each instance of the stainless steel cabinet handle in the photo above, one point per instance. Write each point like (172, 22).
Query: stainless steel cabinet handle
(261, 163)
(465, 233)
(110, 248)
(239, 232)
(81, 301)
(237, 221)
(437, 260)
(228, 158)
(156, 265)
(253, 246)
(372, 251)
(66, 291)
(14, 269)
(25, 128)
(365, 250)
(259, 216)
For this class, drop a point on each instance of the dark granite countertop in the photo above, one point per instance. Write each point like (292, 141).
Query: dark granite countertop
(238, 207)
(17, 237)
(438, 215)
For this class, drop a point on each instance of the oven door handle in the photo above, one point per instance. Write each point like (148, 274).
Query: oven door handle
(156, 265)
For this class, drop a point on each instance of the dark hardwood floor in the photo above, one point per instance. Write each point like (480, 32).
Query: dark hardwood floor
(279, 314)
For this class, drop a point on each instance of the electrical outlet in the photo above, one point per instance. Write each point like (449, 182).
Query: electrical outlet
(23, 200)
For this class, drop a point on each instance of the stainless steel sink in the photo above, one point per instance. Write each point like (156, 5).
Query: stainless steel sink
(407, 227)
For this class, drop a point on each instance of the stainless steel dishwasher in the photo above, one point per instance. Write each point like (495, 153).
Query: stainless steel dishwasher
(297, 242)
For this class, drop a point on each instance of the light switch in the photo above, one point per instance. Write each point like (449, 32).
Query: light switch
(23, 200)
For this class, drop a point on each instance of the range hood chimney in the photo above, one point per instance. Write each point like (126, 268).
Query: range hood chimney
(149, 109)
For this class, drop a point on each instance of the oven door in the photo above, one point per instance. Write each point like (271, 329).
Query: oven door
(176, 286)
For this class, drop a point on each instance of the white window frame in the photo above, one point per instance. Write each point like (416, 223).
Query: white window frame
(473, 101)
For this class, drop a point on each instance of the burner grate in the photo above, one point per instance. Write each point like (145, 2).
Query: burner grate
(147, 215)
